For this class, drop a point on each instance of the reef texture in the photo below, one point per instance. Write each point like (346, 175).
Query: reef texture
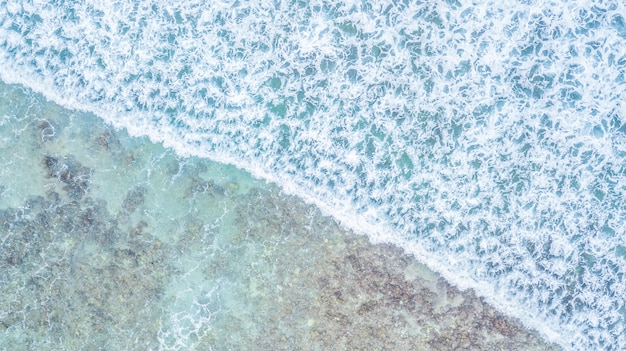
(71, 276)
(318, 287)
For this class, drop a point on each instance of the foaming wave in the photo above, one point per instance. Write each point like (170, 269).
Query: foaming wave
(488, 139)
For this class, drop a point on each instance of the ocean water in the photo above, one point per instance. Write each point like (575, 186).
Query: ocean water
(486, 139)
(112, 242)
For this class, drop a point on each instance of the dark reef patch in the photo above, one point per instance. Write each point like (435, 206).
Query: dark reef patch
(71, 173)
(47, 130)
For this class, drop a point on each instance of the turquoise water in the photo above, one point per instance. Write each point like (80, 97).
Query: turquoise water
(113, 242)
(485, 139)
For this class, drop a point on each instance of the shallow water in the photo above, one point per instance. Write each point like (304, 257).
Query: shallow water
(487, 139)
(113, 242)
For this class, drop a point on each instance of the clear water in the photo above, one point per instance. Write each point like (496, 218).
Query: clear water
(486, 139)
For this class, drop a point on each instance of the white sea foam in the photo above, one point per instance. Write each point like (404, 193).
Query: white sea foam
(486, 138)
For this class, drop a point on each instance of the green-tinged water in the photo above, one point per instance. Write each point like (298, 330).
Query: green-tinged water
(113, 243)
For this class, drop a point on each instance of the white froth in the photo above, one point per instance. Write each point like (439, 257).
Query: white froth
(486, 138)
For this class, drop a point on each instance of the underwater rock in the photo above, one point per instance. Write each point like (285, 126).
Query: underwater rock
(71, 173)
(107, 140)
(47, 130)
(199, 186)
(135, 197)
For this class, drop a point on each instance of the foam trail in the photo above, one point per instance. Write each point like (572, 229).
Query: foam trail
(487, 138)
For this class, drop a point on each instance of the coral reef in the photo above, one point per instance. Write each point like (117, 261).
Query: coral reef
(315, 286)
(72, 276)
(71, 173)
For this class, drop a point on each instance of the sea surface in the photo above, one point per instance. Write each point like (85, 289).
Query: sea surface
(210, 175)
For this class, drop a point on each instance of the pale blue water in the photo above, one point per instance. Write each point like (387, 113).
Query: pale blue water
(486, 138)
